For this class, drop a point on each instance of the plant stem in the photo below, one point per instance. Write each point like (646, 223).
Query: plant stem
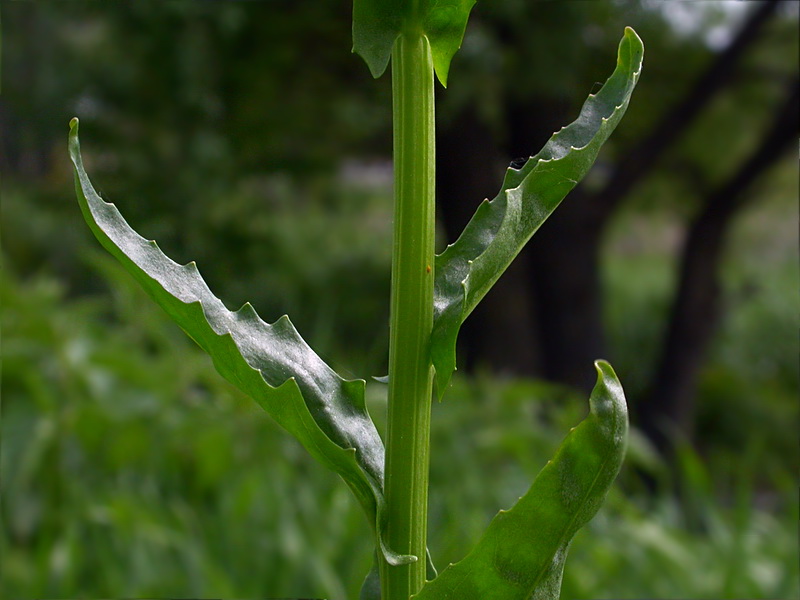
(410, 370)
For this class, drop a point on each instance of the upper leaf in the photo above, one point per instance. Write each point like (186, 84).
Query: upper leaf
(270, 363)
(522, 553)
(467, 269)
(377, 23)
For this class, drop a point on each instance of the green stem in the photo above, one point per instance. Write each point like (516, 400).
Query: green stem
(410, 370)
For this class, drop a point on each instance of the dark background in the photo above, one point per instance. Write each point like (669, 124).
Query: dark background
(246, 136)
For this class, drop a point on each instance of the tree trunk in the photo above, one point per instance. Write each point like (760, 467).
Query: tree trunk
(565, 274)
(558, 274)
(565, 253)
(668, 413)
(640, 159)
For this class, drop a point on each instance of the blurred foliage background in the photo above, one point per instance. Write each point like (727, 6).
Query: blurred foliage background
(245, 136)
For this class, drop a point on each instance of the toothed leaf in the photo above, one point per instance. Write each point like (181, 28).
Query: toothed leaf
(467, 269)
(522, 553)
(377, 23)
(270, 363)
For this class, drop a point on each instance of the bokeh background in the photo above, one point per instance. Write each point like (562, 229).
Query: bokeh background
(246, 136)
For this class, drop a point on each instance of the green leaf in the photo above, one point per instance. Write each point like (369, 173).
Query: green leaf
(371, 588)
(270, 363)
(522, 553)
(377, 23)
(467, 269)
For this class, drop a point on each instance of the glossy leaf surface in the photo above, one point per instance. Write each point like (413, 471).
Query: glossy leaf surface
(522, 553)
(467, 269)
(377, 23)
(270, 363)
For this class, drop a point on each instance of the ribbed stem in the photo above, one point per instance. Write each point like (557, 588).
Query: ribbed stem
(410, 371)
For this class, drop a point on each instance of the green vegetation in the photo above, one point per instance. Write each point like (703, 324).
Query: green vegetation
(131, 468)
(524, 550)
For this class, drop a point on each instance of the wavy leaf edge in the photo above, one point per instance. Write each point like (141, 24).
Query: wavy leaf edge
(361, 468)
(378, 23)
(596, 446)
(467, 268)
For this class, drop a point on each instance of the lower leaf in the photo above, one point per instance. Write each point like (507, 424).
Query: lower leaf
(269, 362)
(522, 553)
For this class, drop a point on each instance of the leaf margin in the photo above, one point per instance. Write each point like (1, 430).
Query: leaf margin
(469, 267)
(378, 23)
(604, 431)
(287, 406)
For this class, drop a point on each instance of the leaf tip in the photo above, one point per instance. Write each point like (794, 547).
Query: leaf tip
(604, 369)
(632, 44)
(631, 34)
(377, 66)
(442, 71)
(374, 33)
(74, 147)
(609, 397)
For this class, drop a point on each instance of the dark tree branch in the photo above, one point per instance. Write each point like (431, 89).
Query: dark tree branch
(564, 255)
(565, 278)
(641, 158)
(669, 410)
(562, 260)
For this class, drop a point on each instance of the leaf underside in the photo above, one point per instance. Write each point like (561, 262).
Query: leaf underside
(522, 553)
(377, 23)
(270, 363)
(468, 268)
